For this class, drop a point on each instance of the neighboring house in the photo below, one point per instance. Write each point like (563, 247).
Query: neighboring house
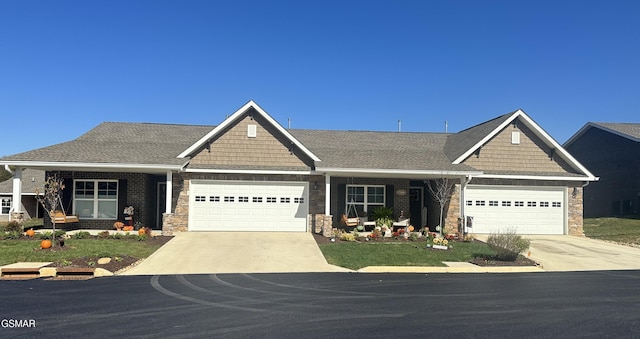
(612, 151)
(251, 174)
(30, 206)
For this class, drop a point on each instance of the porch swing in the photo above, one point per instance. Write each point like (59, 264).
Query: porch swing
(347, 219)
(60, 217)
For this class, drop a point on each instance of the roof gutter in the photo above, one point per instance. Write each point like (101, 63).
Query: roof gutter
(536, 177)
(92, 166)
(8, 169)
(396, 172)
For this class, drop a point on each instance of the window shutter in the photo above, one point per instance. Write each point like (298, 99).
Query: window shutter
(342, 200)
(389, 196)
(122, 198)
(67, 195)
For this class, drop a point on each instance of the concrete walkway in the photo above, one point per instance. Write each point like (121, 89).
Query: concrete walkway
(571, 253)
(236, 252)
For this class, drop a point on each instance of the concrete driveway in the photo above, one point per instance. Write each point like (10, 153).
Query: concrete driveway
(570, 253)
(236, 252)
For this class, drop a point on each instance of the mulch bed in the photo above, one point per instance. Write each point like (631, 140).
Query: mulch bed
(116, 264)
(520, 261)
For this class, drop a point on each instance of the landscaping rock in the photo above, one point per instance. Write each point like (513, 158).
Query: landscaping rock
(104, 261)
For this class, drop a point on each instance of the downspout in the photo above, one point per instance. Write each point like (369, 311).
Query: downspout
(463, 188)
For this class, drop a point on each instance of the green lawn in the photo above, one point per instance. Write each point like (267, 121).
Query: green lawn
(354, 255)
(623, 230)
(29, 250)
(35, 223)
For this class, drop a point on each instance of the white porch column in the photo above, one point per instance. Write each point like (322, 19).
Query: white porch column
(327, 197)
(16, 203)
(168, 192)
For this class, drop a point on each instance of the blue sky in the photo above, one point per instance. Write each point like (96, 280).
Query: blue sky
(66, 66)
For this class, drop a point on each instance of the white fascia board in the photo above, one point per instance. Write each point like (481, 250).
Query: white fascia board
(233, 118)
(231, 171)
(539, 132)
(396, 173)
(487, 137)
(92, 166)
(563, 153)
(535, 177)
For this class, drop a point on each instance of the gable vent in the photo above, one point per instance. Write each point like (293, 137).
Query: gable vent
(252, 131)
(515, 138)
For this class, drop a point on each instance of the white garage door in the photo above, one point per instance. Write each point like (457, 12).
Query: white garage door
(527, 210)
(248, 206)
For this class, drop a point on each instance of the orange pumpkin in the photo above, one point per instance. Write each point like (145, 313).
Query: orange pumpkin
(45, 244)
(30, 232)
(411, 228)
(141, 231)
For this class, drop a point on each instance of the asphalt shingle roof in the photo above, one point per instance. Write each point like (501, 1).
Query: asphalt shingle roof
(122, 143)
(462, 141)
(632, 130)
(379, 150)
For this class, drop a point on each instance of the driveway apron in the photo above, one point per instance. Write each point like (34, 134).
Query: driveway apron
(236, 252)
(571, 253)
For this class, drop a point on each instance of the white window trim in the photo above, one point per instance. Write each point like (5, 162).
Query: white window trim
(10, 205)
(95, 199)
(365, 205)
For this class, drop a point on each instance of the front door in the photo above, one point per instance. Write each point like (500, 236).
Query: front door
(416, 206)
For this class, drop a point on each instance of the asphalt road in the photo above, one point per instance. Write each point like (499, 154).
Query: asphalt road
(327, 305)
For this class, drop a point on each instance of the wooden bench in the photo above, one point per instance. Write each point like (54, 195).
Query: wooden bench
(60, 218)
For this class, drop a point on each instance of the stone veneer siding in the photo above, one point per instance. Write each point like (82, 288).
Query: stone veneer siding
(178, 221)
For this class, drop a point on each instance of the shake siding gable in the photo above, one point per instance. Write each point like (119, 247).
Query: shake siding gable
(235, 149)
(530, 155)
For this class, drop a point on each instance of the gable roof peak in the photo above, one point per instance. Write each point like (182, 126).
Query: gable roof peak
(627, 130)
(233, 118)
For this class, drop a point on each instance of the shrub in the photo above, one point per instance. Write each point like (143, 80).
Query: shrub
(13, 235)
(382, 212)
(142, 237)
(81, 235)
(507, 245)
(103, 234)
(118, 236)
(13, 226)
(46, 235)
(347, 237)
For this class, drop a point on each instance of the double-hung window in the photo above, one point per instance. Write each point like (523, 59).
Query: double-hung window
(366, 198)
(96, 199)
(6, 205)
